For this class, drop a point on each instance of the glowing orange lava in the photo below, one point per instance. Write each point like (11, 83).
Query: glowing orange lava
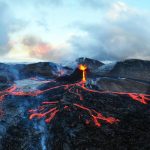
(83, 69)
(48, 110)
(43, 112)
(17, 92)
(96, 116)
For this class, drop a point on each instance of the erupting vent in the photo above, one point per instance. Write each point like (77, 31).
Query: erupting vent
(83, 69)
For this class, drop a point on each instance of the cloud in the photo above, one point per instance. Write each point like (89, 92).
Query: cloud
(89, 3)
(121, 35)
(35, 3)
(42, 50)
(4, 28)
(37, 48)
(8, 25)
(96, 3)
(50, 2)
(106, 30)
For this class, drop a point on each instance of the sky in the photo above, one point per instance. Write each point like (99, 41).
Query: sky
(63, 30)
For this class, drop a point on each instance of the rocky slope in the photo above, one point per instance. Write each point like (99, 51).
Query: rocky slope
(12, 72)
(120, 85)
(133, 68)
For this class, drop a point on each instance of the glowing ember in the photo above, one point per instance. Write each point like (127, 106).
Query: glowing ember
(83, 68)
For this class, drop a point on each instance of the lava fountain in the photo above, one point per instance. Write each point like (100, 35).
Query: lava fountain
(83, 69)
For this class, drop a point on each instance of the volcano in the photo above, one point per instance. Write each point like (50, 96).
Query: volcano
(90, 106)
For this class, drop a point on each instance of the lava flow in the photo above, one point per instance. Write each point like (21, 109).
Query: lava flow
(14, 90)
(96, 116)
(19, 91)
(45, 111)
(49, 109)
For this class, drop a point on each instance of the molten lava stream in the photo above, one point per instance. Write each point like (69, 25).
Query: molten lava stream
(45, 112)
(96, 116)
(142, 98)
(50, 109)
(17, 91)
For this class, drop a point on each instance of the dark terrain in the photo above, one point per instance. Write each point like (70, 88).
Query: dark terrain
(74, 127)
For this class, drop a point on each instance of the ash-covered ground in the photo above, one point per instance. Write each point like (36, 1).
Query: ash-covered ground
(45, 106)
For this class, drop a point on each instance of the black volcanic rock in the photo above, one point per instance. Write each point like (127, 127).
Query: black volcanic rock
(76, 75)
(9, 72)
(122, 85)
(43, 69)
(133, 68)
(12, 72)
(73, 77)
